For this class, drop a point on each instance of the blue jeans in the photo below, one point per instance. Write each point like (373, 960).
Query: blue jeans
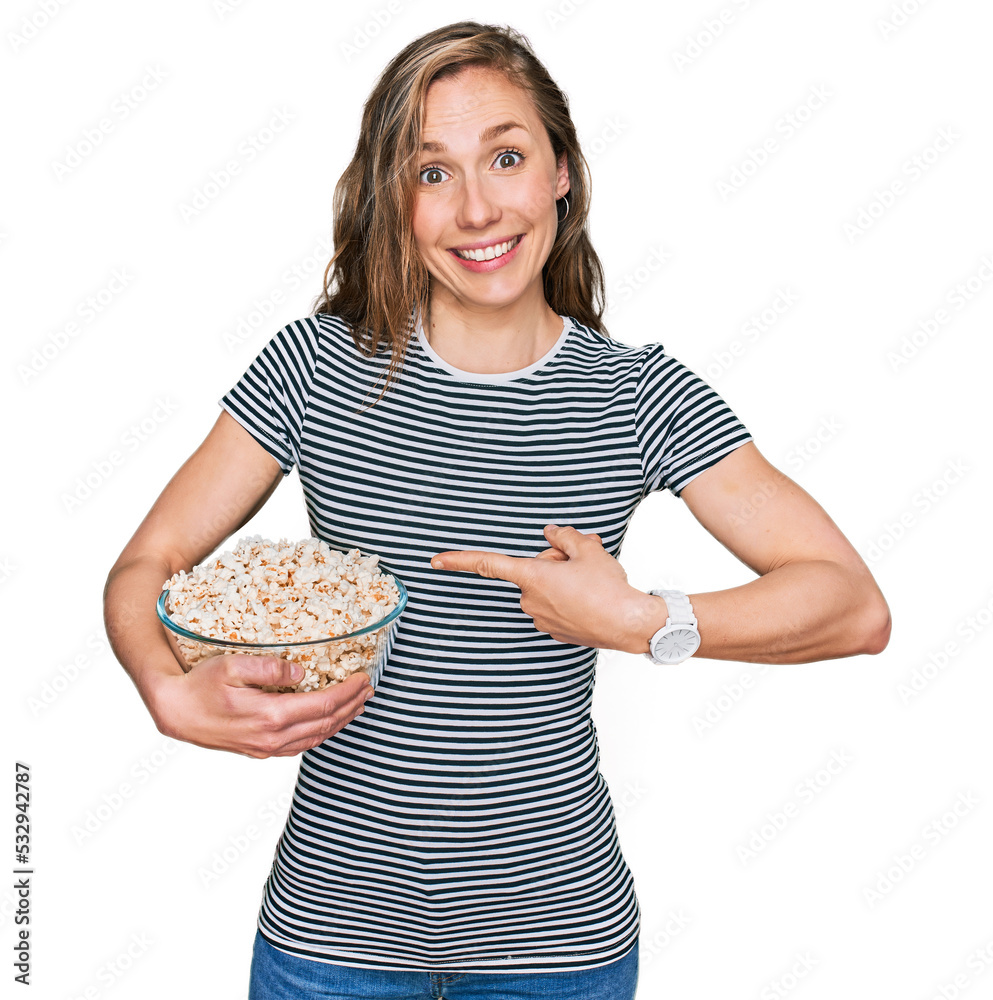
(278, 976)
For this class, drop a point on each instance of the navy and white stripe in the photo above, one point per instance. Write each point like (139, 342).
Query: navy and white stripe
(461, 822)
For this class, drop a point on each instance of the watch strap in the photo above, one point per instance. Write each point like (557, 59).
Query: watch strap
(679, 607)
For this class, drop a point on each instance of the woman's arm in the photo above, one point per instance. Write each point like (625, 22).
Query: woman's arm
(815, 598)
(218, 703)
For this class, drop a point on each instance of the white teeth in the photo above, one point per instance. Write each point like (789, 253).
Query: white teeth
(490, 252)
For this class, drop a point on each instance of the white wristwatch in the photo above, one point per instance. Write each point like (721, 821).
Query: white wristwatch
(679, 638)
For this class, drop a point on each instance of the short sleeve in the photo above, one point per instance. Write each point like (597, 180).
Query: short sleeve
(270, 399)
(683, 426)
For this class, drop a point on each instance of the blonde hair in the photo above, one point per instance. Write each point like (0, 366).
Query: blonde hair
(376, 280)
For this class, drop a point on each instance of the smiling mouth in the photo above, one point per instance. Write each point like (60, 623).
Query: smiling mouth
(488, 253)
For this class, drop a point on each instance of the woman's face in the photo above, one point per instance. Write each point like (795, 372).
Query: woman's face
(488, 184)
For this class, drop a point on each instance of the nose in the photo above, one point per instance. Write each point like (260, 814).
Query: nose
(477, 207)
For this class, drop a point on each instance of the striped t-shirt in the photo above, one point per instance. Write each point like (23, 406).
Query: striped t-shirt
(461, 821)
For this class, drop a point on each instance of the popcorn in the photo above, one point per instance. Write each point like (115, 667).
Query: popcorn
(273, 593)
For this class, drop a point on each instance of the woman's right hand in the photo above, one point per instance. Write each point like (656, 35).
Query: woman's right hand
(219, 704)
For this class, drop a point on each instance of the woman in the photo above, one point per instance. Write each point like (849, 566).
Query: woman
(452, 400)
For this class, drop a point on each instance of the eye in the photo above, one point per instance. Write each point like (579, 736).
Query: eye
(509, 158)
(432, 175)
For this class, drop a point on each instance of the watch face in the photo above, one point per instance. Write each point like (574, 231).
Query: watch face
(678, 644)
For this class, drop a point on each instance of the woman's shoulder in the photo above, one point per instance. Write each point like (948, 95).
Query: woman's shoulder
(647, 370)
(317, 335)
(594, 345)
(339, 336)
(317, 328)
(330, 325)
(299, 347)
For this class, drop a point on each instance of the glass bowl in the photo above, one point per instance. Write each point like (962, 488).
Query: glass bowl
(325, 661)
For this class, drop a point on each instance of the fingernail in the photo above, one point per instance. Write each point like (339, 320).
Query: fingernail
(437, 563)
(551, 526)
(296, 672)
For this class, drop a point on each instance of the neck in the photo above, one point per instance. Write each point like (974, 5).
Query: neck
(491, 340)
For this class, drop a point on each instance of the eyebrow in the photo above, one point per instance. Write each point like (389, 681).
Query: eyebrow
(487, 135)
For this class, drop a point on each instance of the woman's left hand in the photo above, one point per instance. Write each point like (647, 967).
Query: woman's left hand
(575, 591)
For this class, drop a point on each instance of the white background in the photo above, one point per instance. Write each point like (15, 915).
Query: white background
(127, 825)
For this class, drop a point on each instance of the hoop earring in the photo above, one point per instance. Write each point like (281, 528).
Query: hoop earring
(563, 200)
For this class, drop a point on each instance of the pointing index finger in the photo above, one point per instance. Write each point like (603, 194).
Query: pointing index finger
(494, 565)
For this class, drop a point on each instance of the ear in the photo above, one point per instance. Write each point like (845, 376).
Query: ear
(562, 185)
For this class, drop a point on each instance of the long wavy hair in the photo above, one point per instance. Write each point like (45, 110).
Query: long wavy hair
(376, 280)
